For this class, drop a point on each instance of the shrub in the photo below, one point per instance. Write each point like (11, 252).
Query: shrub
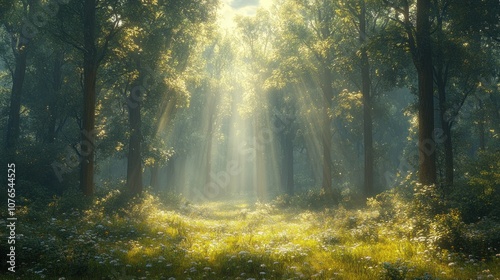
(447, 230)
(394, 271)
(478, 194)
(312, 200)
(71, 200)
(482, 238)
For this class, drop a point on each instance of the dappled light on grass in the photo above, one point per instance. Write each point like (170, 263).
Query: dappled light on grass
(236, 239)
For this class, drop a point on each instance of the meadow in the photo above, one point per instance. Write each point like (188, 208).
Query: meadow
(167, 237)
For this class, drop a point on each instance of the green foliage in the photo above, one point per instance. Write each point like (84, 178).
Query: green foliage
(424, 215)
(395, 271)
(446, 230)
(478, 194)
(312, 199)
(481, 238)
(72, 200)
(172, 200)
(428, 200)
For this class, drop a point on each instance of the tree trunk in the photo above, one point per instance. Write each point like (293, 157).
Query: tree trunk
(448, 156)
(89, 93)
(326, 135)
(446, 126)
(212, 187)
(170, 170)
(155, 173)
(287, 164)
(423, 63)
(13, 123)
(495, 112)
(56, 87)
(327, 160)
(259, 181)
(134, 160)
(441, 76)
(208, 148)
(367, 111)
(482, 139)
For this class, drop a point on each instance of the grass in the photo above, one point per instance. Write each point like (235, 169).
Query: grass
(225, 240)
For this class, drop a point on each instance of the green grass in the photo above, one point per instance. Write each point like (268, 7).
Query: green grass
(226, 240)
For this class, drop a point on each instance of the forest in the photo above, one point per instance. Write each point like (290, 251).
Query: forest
(259, 139)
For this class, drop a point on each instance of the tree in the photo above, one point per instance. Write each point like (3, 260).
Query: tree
(314, 25)
(422, 58)
(461, 61)
(90, 65)
(256, 36)
(357, 12)
(98, 26)
(419, 44)
(155, 50)
(21, 33)
(367, 107)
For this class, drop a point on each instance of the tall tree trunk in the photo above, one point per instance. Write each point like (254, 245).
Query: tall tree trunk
(134, 160)
(423, 63)
(481, 130)
(495, 112)
(446, 126)
(89, 97)
(326, 135)
(210, 183)
(441, 77)
(448, 156)
(259, 164)
(170, 170)
(287, 163)
(56, 87)
(208, 151)
(367, 111)
(13, 123)
(155, 173)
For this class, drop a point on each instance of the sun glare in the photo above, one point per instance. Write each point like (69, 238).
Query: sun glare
(230, 8)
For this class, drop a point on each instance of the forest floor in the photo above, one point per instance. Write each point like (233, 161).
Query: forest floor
(226, 240)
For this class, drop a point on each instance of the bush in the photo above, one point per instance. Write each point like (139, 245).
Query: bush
(312, 200)
(478, 194)
(71, 200)
(394, 271)
(172, 200)
(447, 230)
(482, 238)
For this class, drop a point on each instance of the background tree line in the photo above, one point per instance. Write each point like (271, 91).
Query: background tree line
(357, 94)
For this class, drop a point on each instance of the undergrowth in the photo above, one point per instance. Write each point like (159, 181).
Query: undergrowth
(406, 233)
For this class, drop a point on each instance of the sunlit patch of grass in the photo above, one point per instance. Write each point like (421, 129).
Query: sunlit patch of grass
(232, 240)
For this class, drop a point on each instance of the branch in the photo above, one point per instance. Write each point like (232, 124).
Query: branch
(112, 33)
(61, 124)
(464, 97)
(78, 121)
(393, 5)
(67, 38)
(409, 30)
